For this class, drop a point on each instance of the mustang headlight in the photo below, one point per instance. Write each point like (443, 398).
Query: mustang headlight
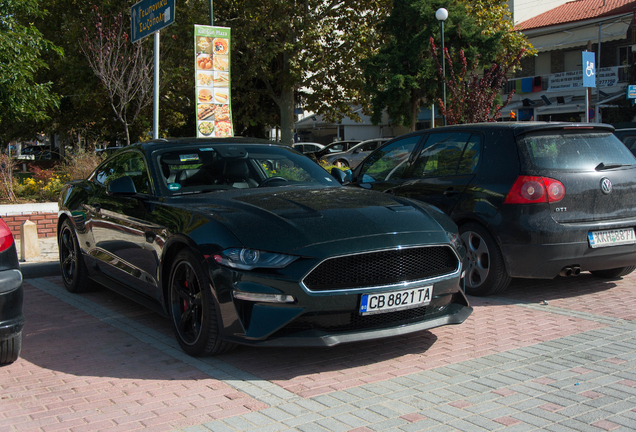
(248, 259)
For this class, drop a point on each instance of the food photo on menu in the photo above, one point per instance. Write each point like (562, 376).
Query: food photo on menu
(213, 82)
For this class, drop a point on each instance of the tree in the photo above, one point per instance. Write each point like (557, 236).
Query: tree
(288, 50)
(125, 69)
(472, 99)
(22, 98)
(401, 77)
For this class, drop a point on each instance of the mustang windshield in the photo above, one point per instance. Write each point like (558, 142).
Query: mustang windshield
(191, 169)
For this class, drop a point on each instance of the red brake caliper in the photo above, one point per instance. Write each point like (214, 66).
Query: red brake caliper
(185, 304)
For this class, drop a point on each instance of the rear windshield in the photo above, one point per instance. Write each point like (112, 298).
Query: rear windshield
(575, 150)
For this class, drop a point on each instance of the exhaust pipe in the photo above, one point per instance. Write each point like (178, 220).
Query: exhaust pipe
(570, 271)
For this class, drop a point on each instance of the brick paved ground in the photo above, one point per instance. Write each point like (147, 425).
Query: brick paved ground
(97, 361)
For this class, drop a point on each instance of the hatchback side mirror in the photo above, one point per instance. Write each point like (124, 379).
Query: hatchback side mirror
(343, 177)
(122, 186)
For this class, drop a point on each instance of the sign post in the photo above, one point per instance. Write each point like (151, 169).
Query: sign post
(589, 79)
(147, 17)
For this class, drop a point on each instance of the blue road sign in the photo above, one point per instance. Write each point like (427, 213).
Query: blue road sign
(631, 92)
(589, 69)
(149, 16)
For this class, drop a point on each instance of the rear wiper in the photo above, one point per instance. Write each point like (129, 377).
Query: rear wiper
(603, 167)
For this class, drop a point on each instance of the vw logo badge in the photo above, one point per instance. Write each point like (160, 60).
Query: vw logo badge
(606, 185)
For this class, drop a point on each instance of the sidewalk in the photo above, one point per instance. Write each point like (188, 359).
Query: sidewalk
(47, 264)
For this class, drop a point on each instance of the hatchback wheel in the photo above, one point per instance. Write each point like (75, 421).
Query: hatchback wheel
(10, 349)
(613, 273)
(193, 308)
(74, 271)
(485, 273)
(342, 163)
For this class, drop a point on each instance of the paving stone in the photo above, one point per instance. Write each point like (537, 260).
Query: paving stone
(385, 425)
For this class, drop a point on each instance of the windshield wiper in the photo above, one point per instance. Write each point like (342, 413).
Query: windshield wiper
(603, 167)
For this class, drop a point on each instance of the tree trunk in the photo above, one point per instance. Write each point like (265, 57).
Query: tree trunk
(287, 116)
(414, 113)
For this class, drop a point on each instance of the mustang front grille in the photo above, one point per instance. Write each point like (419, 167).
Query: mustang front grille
(383, 268)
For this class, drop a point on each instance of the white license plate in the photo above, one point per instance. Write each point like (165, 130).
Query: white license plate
(611, 237)
(395, 300)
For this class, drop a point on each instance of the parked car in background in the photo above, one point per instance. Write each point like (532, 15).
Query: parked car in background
(307, 147)
(11, 295)
(334, 147)
(355, 155)
(245, 241)
(628, 136)
(532, 199)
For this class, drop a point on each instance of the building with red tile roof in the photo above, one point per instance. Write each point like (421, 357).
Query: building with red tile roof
(550, 84)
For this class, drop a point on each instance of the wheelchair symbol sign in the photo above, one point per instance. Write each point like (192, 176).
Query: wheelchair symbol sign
(589, 69)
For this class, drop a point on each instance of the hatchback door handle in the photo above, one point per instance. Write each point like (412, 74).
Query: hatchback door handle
(451, 192)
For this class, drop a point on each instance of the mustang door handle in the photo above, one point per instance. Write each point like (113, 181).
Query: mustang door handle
(451, 192)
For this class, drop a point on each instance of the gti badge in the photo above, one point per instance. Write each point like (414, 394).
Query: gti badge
(606, 186)
(561, 209)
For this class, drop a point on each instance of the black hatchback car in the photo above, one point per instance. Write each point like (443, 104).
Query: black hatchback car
(11, 317)
(532, 200)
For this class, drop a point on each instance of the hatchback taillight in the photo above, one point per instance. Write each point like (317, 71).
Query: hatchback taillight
(6, 238)
(532, 189)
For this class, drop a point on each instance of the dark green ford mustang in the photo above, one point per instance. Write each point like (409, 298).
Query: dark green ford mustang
(245, 241)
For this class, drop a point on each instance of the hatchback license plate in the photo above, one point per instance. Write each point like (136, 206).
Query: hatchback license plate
(611, 237)
(395, 300)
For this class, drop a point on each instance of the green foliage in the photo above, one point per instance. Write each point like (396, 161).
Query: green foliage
(401, 77)
(22, 98)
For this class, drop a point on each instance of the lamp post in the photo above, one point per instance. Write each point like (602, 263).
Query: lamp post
(441, 16)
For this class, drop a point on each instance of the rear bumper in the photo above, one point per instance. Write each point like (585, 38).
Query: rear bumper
(534, 245)
(11, 299)
(546, 261)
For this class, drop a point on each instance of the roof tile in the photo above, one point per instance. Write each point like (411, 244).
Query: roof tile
(578, 10)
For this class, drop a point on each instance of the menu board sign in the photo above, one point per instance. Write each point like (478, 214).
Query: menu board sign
(213, 90)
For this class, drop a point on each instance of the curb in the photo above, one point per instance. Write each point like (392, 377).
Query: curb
(40, 269)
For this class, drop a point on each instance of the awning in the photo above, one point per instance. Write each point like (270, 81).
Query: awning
(577, 36)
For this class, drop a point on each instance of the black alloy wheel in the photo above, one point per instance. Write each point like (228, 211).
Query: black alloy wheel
(485, 273)
(193, 308)
(74, 271)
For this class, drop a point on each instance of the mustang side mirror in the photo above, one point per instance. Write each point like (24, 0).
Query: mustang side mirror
(122, 186)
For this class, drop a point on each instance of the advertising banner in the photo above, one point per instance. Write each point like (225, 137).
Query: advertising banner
(606, 77)
(213, 90)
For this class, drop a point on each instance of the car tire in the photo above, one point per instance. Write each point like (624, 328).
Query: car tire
(193, 308)
(72, 266)
(10, 349)
(613, 273)
(485, 273)
(342, 163)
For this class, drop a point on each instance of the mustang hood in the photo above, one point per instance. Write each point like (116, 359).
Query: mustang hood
(299, 220)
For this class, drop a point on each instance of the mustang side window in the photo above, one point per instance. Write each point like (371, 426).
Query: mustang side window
(127, 164)
(389, 162)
